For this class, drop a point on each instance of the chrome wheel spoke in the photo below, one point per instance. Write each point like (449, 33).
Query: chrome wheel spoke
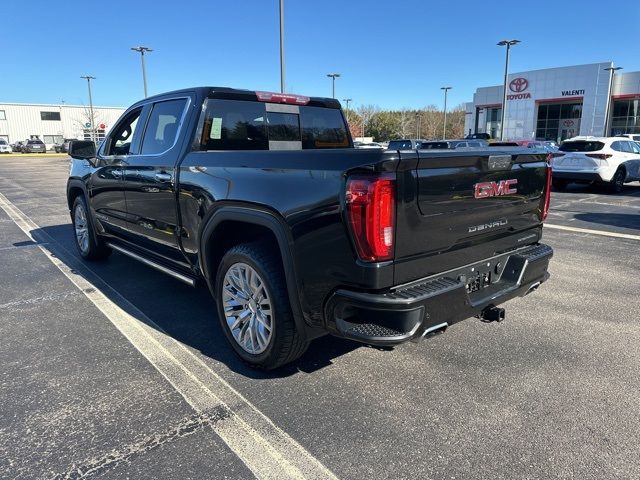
(247, 308)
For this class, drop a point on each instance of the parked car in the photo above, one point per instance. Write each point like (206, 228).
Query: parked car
(4, 146)
(34, 146)
(478, 136)
(368, 145)
(405, 144)
(260, 196)
(612, 161)
(17, 147)
(631, 136)
(452, 144)
(64, 146)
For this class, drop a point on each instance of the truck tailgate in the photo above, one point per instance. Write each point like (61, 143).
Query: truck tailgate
(456, 208)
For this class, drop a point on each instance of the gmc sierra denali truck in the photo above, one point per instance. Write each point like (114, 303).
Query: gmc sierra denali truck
(297, 234)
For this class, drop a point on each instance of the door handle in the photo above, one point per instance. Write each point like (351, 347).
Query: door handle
(163, 177)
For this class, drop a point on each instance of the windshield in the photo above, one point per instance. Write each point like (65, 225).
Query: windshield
(2, 142)
(581, 146)
(34, 142)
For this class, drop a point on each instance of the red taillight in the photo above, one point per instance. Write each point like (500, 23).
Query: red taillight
(288, 98)
(371, 212)
(601, 156)
(546, 201)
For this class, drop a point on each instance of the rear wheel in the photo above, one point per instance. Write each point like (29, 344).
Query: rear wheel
(87, 242)
(560, 184)
(253, 307)
(616, 185)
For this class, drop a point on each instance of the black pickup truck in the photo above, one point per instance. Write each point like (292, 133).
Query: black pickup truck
(297, 234)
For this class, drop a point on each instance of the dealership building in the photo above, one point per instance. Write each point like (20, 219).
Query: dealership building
(52, 123)
(559, 103)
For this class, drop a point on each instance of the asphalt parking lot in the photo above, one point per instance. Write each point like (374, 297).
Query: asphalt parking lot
(112, 369)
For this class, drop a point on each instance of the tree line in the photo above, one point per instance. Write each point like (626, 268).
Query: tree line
(384, 125)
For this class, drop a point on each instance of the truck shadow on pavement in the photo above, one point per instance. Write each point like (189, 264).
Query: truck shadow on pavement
(622, 220)
(186, 314)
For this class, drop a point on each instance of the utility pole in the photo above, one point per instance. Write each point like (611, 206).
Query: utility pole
(142, 51)
(88, 78)
(508, 44)
(444, 127)
(333, 77)
(607, 115)
(281, 46)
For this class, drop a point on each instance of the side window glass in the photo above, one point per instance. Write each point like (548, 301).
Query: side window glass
(162, 127)
(616, 146)
(626, 146)
(120, 139)
(635, 147)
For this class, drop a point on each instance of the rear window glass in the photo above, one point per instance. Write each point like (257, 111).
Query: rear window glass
(246, 125)
(34, 142)
(581, 146)
(2, 142)
(400, 145)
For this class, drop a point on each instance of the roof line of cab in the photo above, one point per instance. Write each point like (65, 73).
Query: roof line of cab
(233, 94)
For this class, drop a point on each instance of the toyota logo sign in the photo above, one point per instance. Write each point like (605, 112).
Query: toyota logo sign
(568, 123)
(518, 85)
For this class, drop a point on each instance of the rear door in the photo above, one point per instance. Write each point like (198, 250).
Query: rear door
(149, 180)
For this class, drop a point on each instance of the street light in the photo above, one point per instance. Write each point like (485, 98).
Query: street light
(444, 129)
(142, 50)
(607, 119)
(333, 83)
(347, 100)
(281, 46)
(88, 78)
(508, 44)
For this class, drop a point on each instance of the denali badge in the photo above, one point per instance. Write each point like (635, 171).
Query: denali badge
(493, 189)
(487, 226)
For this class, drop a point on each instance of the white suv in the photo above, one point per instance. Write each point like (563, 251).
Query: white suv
(611, 160)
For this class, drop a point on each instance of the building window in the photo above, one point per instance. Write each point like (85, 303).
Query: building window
(50, 116)
(52, 139)
(558, 121)
(625, 117)
(3, 115)
(492, 121)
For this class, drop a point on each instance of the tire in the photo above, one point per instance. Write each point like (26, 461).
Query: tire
(266, 337)
(560, 185)
(616, 185)
(89, 245)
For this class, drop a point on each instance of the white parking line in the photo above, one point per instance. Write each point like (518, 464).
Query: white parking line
(604, 233)
(264, 448)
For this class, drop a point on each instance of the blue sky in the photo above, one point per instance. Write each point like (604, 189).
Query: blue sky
(392, 54)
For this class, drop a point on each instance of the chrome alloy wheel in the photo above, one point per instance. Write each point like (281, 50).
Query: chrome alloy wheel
(247, 308)
(81, 227)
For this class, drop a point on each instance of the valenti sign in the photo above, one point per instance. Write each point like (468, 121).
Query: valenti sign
(518, 87)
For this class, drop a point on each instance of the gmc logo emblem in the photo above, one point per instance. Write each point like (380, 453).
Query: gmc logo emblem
(493, 189)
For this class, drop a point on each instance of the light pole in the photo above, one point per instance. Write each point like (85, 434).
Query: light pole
(88, 78)
(508, 44)
(333, 83)
(444, 128)
(142, 51)
(347, 100)
(281, 46)
(607, 115)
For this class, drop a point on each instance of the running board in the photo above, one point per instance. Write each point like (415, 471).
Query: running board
(177, 275)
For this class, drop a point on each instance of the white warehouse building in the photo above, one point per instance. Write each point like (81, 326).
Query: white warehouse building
(53, 123)
(559, 103)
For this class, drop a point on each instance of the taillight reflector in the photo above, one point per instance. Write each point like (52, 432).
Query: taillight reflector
(601, 156)
(546, 202)
(288, 98)
(371, 212)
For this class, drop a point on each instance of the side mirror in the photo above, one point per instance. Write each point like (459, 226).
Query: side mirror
(82, 149)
